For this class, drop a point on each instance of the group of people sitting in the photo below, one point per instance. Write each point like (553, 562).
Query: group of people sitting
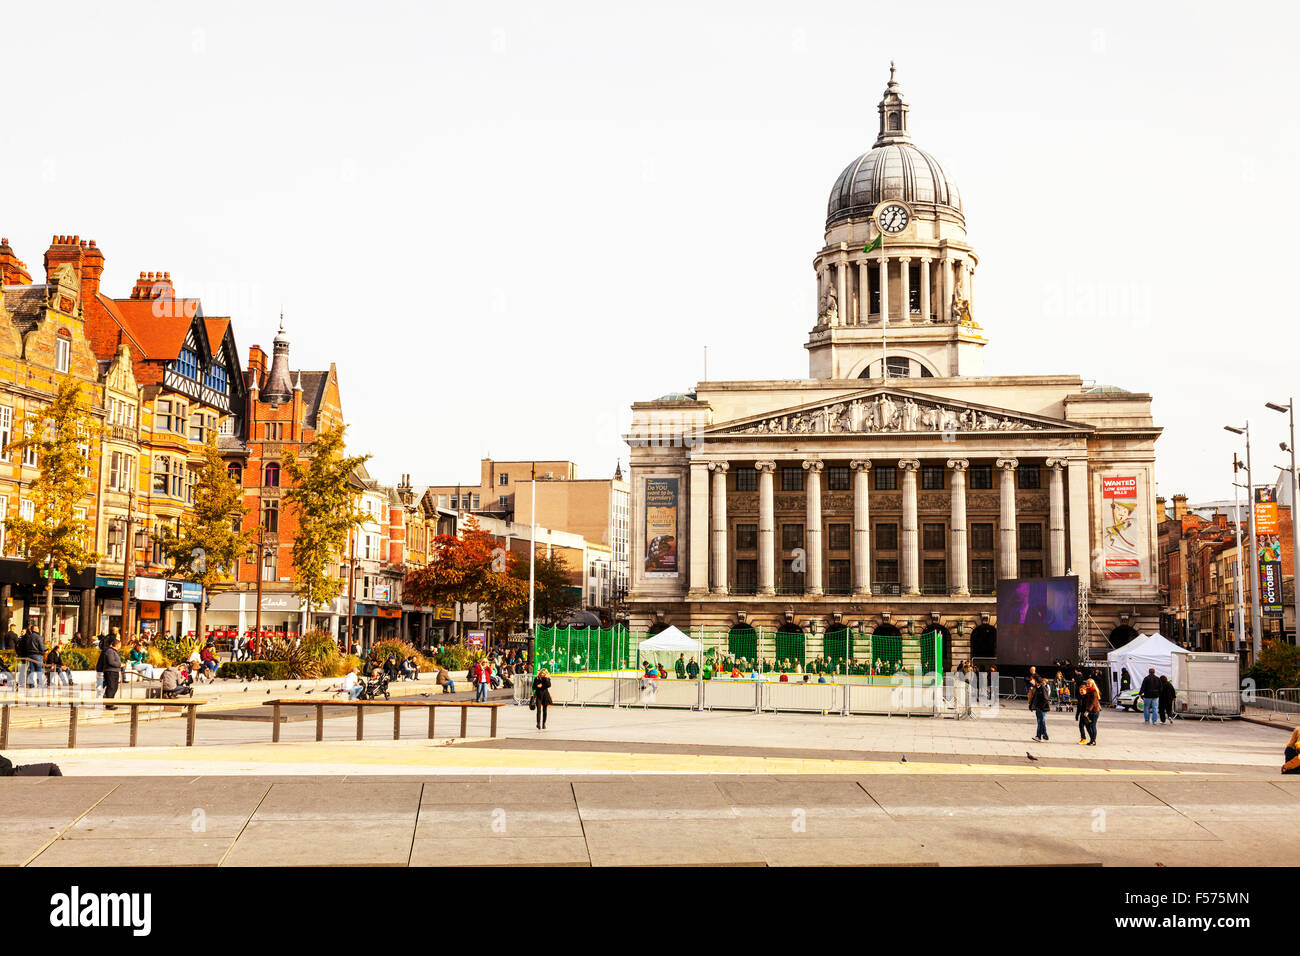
(738, 667)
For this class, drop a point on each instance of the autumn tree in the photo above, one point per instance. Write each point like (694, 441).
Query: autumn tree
(208, 546)
(323, 499)
(55, 539)
(473, 569)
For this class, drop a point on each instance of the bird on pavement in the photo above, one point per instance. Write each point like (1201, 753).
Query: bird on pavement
(1030, 756)
(903, 759)
(268, 690)
(312, 691)
(299, 687)
(245, 688)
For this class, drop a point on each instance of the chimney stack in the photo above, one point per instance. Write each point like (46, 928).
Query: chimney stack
(13, 271)
(1180, 507)
(63, 250)
(92, 267)
(1161, 514)
(153, 285)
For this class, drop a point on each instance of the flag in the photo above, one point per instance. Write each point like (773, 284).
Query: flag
(874, 244)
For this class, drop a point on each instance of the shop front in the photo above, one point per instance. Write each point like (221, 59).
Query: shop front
(22, 600)
(233, 613)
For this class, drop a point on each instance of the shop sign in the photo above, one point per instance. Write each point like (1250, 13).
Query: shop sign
(476, 639)
(390, 612)
(184, 591)
(279, 602)
(150, 589)
(444, 614)
(151, 610)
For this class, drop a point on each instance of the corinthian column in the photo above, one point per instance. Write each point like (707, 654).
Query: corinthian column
(1007, 528)
(861, 528)
(766, 528)
(813, 528)
(719, 469)
(911, 553)
(842, 277)
(884, 291)
(864, 292)
(945, 305)
(957, 567)
(904, 288)
(925, 289)
(1056, 516)
(699, 576)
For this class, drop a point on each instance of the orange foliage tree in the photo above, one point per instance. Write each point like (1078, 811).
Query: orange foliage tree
(473, 569)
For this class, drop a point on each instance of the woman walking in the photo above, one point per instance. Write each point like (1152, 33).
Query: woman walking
(542, 696)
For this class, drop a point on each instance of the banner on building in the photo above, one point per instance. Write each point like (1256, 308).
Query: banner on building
(1268, 547)
(1121, 535)
(661, 527)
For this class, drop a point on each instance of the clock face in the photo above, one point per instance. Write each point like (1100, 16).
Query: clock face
(894, 218)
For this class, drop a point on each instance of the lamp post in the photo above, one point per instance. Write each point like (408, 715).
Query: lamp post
(1256, 626)
(263, 553)
(1239, 631)
(1289, 408)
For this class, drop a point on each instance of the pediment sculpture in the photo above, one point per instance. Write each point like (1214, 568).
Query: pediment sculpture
(883, 413)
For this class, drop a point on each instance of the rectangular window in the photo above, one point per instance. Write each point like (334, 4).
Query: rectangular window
(62, 354)
(837, 478)
(886, 537)
(746, 537)
(115, 471)
(503, 502)
(27, 509)
(790, 579)
(162, 415)
(791, 536)
(1031, 537)
(981, 576)
(792, 479)
(1027, 477)
(839, 537)
(746, 479)
(191, 481)
(6, 430)
(886, 571)
(934, 576)
(162, 469)
(227, 425)
(981, 477)
(198, 431)
(178, 418)
(932, 477)
(271, 515)
(981, 537)
(30, 455)
(4, 513)
(933, 537)
(503, 479)
(268, 565)
(746, 576)
(886, 477)
(914, 290)
(838, 577)
(1031, 568)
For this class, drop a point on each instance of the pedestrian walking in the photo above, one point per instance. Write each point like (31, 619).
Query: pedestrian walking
(111, 664)
(1039, 704)
(1291, 755)
(1167, 697)
(1090, 701)
(541, 696)
(1150, 692)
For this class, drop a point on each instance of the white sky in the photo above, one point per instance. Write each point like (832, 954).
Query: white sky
(506, 224)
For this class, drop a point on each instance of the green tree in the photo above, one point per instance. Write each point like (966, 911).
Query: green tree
(208, 547)
(323, 498)
(55, 539)
(553, 589)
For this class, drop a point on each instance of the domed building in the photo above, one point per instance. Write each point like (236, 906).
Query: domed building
(894, 489)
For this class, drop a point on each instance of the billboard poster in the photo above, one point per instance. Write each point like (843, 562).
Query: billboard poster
(661, 527)
(1120, 533)
(1268, 548)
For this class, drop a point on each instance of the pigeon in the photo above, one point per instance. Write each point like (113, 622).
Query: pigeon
(245, 689)
(1030, 756)
(903, 759)
(299, 687)
(312, 691)
(268, 690)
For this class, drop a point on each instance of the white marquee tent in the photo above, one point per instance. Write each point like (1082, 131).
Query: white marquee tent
(1139, 655)
(670, 639)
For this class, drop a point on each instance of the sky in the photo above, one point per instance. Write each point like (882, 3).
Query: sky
(507, 222)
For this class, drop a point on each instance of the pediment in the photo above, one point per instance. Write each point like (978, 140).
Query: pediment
(891, 411)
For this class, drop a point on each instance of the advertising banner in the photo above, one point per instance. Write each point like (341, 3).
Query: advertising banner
(1268, 546)
(477, 639)
(1120, 533)
(661, 527)
(150, 589)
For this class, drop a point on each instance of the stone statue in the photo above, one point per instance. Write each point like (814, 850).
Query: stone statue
(828, 311)
(911, 416)
(885, 410)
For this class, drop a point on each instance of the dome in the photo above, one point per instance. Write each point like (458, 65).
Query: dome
(892, 169)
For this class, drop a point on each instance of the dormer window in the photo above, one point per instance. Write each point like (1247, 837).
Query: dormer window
(187, 363)
(215, 379)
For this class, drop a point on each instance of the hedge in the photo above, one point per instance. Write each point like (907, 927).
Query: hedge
(252, 670)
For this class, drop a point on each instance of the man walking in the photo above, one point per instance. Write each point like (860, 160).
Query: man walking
(111, 660)
(1167, 697)
(1150, 692)
(1038, 704)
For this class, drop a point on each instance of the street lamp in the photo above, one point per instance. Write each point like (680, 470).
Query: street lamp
(1289, 408)
(1256, 626)
(120, 533)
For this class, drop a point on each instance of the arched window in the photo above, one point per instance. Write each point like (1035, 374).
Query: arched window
(236, 474)
(984, 641)
(789, 641)
(742, 641)
(271, 475)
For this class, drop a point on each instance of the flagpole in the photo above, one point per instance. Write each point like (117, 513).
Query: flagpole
(884, 309)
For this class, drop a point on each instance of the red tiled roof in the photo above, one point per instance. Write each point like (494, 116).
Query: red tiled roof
(216, 331)
(159, 325)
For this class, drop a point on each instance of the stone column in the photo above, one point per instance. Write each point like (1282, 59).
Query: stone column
(864, 291)
(970, 288)
(911, 553)
(925, 289)
(957, 577)
(766, 528)
(699, 517)
(884, 291)
(719, 516)
(1007, 530)
(861, 528)
(1080, 527)
(904, 289)
(842, 277)
(945, 303)
(1056, 516)
(812, 532)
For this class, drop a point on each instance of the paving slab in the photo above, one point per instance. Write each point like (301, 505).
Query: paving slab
(375, 801)
(321, 843)
(670, 843)
(1080, 793)
(543, 792)
(500, 851)
(491, 820)
(135, 851)
(798, 792)
(931, 796)
(20, 843)
(814, 851)
(163, 822)
(973, 843)
(654, 796)
(1224, 799)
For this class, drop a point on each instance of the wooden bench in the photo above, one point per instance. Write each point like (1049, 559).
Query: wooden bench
(396, 705)
(75, 706)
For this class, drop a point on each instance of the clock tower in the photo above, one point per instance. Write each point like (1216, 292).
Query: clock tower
(895, 277)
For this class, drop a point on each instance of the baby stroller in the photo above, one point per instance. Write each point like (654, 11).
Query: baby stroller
(375, 687)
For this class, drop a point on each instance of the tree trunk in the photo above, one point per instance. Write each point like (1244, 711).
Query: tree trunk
(201, 618)
(49, 610)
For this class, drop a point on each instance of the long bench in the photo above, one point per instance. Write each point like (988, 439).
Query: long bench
(396, 705)
(75, 706)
